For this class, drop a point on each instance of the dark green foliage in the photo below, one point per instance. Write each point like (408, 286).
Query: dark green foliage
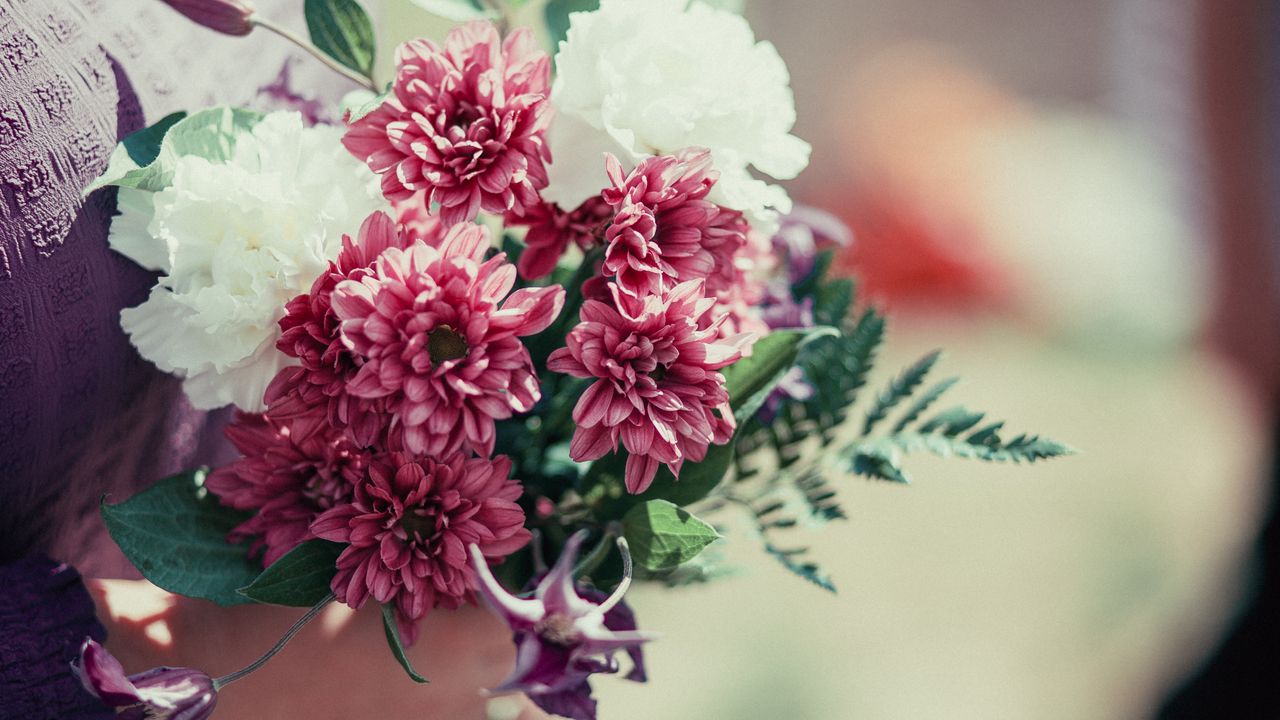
(791, 560)
(397, 645)
(343, 31)
(923, 402)
(143, 146)
(902, 387)
(300, 578)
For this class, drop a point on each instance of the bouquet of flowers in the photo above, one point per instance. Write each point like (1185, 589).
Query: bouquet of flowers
(517, 331)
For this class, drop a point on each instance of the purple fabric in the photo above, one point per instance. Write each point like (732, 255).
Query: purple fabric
(45, 613)
(81, 415)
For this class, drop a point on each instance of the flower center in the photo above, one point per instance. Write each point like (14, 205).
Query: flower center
(444, 343)
(557, 629)
(658, 373)
(419, 525)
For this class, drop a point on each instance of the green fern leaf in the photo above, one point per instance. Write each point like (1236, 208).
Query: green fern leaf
(901, 388)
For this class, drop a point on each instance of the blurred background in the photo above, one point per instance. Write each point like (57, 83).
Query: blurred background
(1077, 200)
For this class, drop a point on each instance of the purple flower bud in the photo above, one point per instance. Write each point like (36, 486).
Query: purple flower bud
(562, 635)
(801, 232)
(225, 16)
(162, 693)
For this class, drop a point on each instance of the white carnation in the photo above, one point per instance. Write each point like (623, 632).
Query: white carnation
(234, 241)
(650, 77)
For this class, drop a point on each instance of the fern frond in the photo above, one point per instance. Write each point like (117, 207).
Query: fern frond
(807, 570)
(902, 387)
(924, 402)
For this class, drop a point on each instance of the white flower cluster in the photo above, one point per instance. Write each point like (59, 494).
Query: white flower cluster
(234, 241)
(650, 77)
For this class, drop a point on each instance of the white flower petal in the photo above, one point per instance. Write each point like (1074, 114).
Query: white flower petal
(129, 234)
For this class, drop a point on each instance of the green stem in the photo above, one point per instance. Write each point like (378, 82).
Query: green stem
(503, 21)
(284, 640)
(316, 52)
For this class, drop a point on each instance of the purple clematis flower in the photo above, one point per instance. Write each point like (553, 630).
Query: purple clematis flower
(562, 636)
(163, 693)
(799, 234)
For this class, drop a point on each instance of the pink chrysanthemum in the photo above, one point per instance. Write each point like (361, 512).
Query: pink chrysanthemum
(409, 526)
(664, 230)
(439, 358)
(552, 229)
(289, 480)
(325, 364)
(464, 123)
(657, 388)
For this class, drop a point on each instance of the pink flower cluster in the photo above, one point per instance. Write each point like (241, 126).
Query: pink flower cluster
(464, 124)
(408, 350)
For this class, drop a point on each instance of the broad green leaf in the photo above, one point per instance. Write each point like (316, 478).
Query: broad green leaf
(557, 14)
(456, 10)
(175, 533)
(300, 578)
(343, 31)
(210, 134)
(662, 536)
(397, 646)
(750, 380)
(143, 146)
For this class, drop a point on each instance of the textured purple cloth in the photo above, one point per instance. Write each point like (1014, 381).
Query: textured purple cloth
(81, 415)
(45, 613)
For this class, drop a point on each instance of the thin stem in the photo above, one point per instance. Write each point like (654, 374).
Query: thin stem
(503, 21)
(284, 640)
(621, 590)
(597, 555)
(316, 52)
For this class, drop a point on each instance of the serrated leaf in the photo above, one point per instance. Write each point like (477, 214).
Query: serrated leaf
(807, 570)
(342, 30)
(397, 645)
(175, 533)
(300, 578)
(210, 134)
(953, 421)
(750, 380)
(876, 463)
(900, 388)
(661, 535)
(924, 402)
(456, 10)
(557, 15)
(1024, 448)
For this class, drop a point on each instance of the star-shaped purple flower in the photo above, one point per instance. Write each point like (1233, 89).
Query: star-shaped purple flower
(562, 637)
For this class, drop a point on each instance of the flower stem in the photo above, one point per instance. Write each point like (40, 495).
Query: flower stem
(284, 640)
(316, 52)
(503, 21)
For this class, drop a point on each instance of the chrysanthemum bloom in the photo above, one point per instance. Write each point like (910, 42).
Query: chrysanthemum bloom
(410, 523)
(163, 693)
(551, 230)
(437, 353)
(289, 480)
(657, 388)
(562, 636)
(464, 123)
(311, 334)
(664, 230)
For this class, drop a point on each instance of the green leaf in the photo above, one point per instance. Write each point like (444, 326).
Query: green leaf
(397, 646)
(456, 10)
(210, 134)
(923, 403)
(343, 31)
(175, 533)
(557, 14)
(807, 570)
(901, 387)
(661, 535)
(143, 146)
(298, 579)
(354, 113)
(985, 445)
(750, 380)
